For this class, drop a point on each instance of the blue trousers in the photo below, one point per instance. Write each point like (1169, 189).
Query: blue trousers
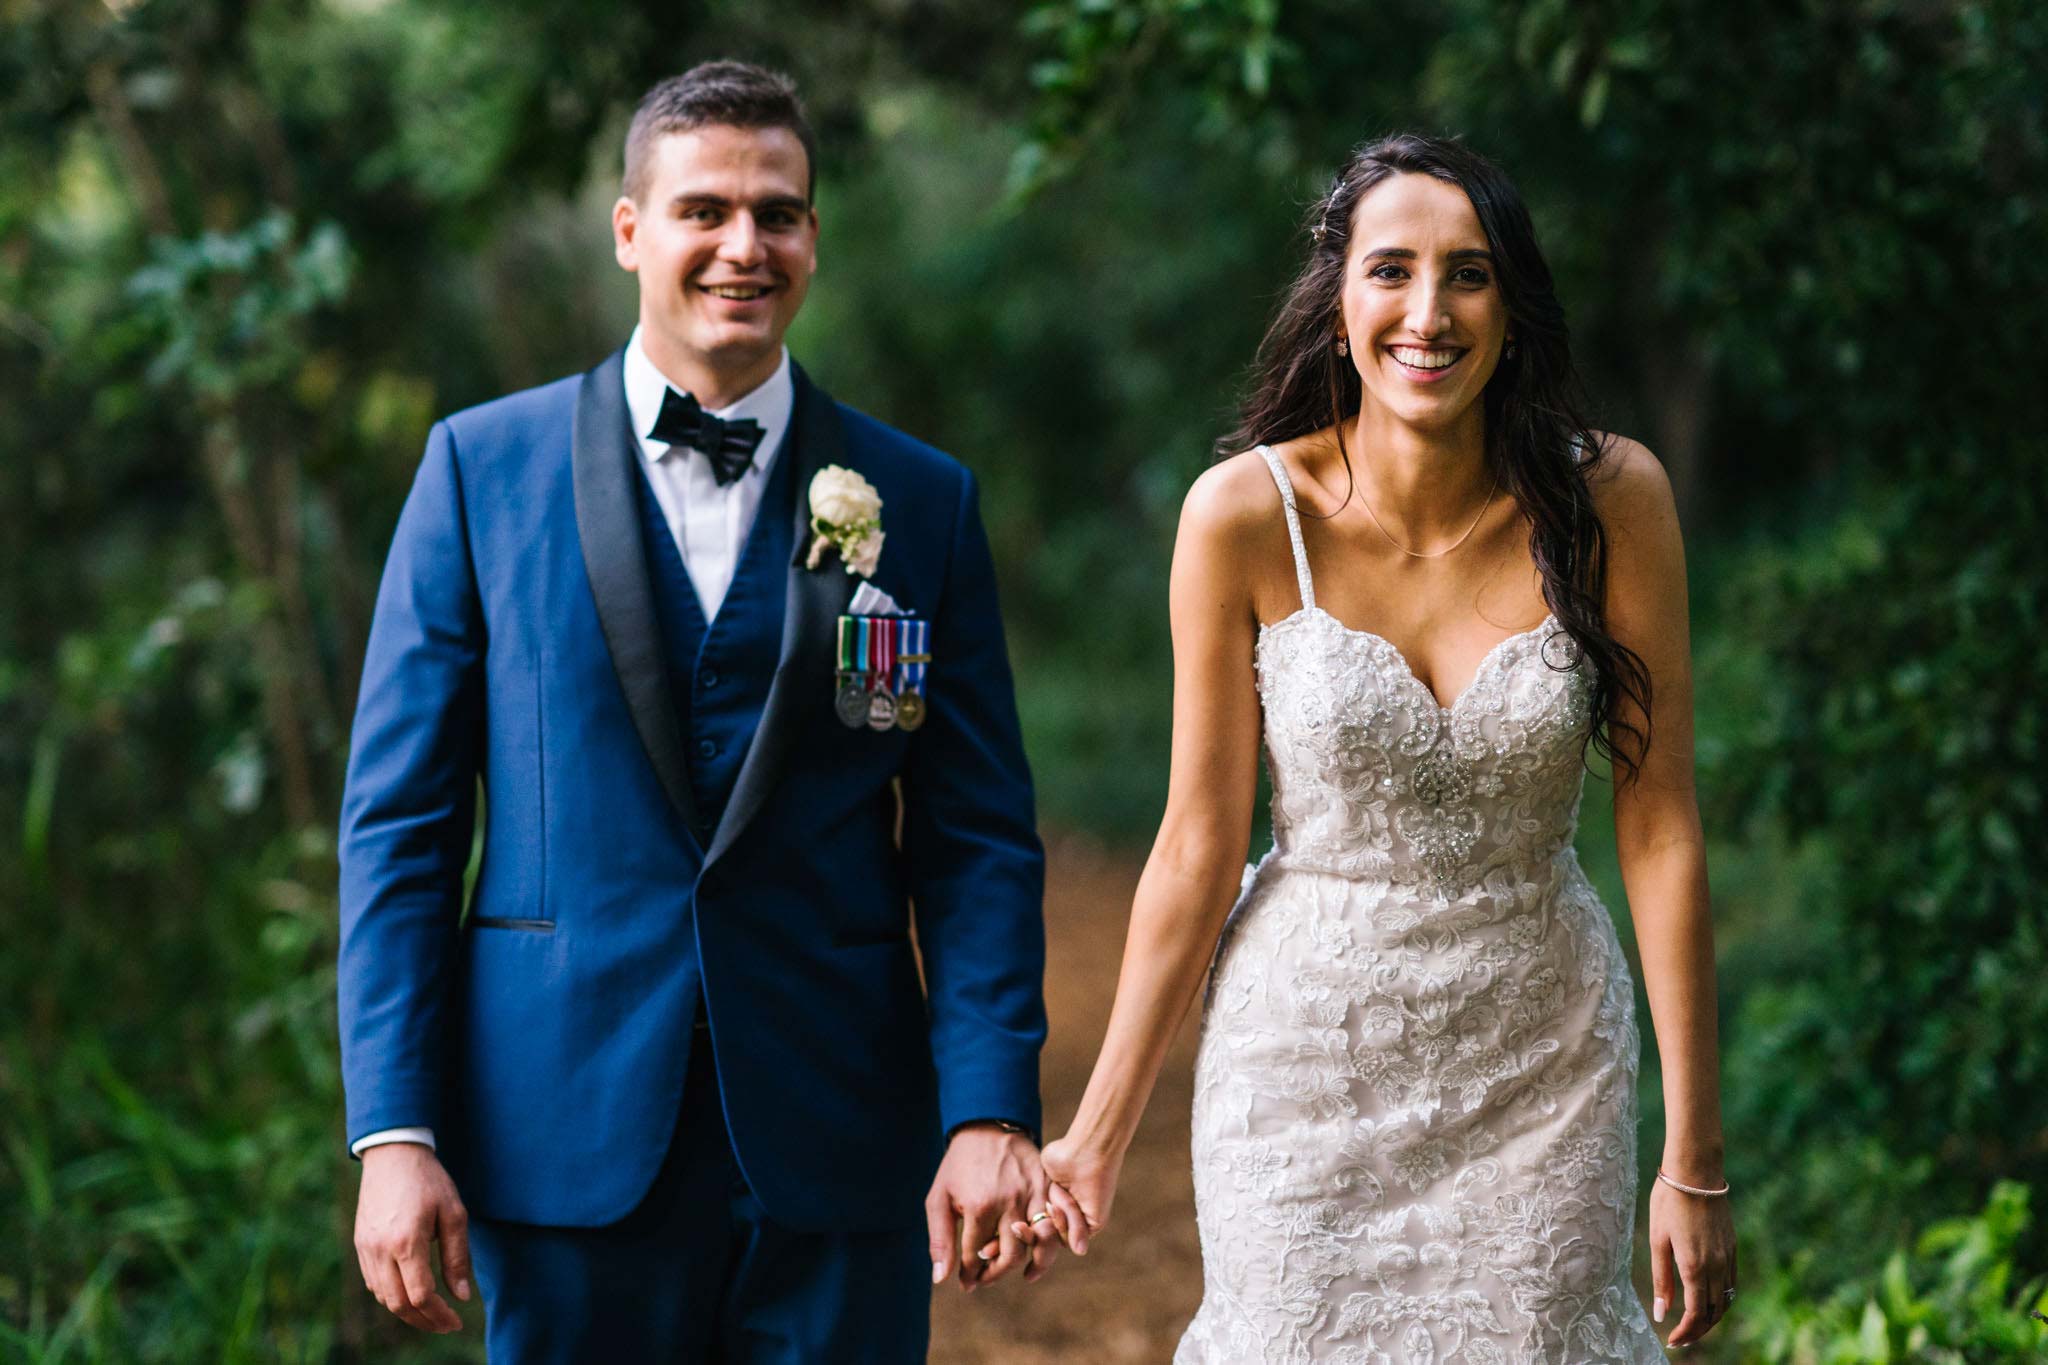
(698, 1272)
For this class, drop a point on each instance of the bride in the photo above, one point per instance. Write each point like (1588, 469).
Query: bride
(1429, 588)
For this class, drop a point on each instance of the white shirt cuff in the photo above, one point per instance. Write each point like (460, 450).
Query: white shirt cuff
(424, 1136)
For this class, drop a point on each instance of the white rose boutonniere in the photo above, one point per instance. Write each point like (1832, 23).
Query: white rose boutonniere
(846, 515)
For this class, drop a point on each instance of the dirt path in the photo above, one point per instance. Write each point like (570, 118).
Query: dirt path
(1131, 1298)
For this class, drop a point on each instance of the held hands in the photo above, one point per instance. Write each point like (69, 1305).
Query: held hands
(987, 1188)
(1696, 1235)
(406, 1204)
(1083, 1186)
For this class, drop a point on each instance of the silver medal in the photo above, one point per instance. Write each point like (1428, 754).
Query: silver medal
(881, 710)
(852, 702)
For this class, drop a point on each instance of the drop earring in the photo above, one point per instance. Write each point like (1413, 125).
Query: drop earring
(1511, 350)
(1343, 346)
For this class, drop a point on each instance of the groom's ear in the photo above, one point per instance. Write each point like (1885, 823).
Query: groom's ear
(625, 225)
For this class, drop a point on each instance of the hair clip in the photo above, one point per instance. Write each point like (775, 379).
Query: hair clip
(1319, 232)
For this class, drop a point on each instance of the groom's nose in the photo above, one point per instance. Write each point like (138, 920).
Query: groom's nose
(741, 242)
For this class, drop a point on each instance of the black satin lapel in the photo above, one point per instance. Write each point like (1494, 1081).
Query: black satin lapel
(604, 466)
(811, 610)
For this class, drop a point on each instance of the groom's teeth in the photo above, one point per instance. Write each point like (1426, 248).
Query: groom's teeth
(734, 291)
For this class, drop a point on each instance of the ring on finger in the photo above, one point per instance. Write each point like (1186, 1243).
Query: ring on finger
(1039, 1217)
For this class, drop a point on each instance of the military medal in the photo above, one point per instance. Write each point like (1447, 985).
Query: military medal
(852, 705)
(851, 702)
(881, 661)
(881, 710)
(915, 637)
(881, 670)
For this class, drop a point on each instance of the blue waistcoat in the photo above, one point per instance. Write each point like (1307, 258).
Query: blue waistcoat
(719, 675)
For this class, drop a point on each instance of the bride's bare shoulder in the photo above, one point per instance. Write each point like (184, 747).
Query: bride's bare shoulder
(1232, 501)
(1629, 485)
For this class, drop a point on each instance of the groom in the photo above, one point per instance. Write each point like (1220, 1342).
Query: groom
(674, 1080)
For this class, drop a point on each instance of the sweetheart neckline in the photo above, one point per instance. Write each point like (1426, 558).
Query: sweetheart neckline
(1407, 669)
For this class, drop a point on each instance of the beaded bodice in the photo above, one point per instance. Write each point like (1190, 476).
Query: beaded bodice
(1373, 778)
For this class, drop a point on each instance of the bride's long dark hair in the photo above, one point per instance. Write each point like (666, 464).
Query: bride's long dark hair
(1534, 404)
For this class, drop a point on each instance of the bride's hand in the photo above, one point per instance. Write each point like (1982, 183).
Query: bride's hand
(1692, 1240)
(1083, 1187)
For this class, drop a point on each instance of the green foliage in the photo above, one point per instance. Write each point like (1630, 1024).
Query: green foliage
(1952, 1301)
(228, 304)
(1104, 55)
(1895, 731)
(177, 1174)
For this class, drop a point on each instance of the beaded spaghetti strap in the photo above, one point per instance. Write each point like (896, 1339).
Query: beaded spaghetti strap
(1308, 590)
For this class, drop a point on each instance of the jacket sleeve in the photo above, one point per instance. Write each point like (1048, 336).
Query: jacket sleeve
(976, 868)
(409, 806)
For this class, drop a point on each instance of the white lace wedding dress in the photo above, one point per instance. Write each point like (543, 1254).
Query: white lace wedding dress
(1414, 1118)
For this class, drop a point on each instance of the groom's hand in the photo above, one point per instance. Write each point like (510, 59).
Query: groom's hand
(406, 1204)
(989, 1180)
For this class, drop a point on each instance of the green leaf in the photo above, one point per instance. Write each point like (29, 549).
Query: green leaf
(1871, 1336)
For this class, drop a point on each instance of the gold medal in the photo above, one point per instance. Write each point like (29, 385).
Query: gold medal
(910, 710)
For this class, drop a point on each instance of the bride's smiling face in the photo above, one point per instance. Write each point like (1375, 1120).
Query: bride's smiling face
(1420, 306)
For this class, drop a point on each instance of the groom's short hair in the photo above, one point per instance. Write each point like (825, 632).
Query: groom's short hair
(724, 93)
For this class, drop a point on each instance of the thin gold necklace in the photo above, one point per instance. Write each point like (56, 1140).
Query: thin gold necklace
(1433, 554)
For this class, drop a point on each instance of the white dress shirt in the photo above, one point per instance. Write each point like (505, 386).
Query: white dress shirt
(710, 523)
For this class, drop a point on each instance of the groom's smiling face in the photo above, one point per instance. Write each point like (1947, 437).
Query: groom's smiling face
(725, 241)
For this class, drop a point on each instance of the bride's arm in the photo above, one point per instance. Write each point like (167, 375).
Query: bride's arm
(1664, 869)
(1197, 860)
(1656, 818)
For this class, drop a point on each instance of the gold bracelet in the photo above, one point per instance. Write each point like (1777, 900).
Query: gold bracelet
(1692, 1189)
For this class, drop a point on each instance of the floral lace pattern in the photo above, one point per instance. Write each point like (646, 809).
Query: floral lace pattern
(1414, 1120)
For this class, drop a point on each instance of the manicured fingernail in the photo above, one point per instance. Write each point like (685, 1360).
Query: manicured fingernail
(1657, 1309)
(939, 1272)
(462, 1290)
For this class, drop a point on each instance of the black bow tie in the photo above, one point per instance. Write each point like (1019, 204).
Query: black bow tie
(729, 446)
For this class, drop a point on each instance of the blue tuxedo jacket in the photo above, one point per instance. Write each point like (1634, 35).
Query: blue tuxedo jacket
(544, 1036)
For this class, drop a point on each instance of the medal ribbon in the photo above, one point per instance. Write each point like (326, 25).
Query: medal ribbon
(882, 654)
(916, 639)
(849, 660)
